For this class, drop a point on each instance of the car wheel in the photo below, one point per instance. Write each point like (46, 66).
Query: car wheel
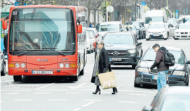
(17, 78)
(3, 71)
(187, 84)
(136, 85)
(133, 66)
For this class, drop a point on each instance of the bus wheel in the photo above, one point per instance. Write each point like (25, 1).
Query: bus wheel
(17, 78)
(82, 72)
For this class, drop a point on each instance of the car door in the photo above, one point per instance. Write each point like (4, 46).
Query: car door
(187, 69)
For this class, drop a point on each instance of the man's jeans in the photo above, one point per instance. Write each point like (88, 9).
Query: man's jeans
(161, 80)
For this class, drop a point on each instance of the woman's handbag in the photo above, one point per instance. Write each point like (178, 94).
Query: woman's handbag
(107, 80)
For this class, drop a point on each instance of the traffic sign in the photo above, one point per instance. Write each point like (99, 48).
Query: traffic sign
(176, 14)
(16, 3)
(110, 9)
(143, 3)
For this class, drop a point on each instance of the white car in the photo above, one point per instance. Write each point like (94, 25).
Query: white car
(110, 26)
(182, 32)
(98, 37)
(157, 30)
(89, 40)
(3, 64)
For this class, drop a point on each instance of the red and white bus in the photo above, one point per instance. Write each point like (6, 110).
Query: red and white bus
(46, 40)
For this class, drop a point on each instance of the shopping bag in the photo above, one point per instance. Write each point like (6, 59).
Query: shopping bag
(107, 80)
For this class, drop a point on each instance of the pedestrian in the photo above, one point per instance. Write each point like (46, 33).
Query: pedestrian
(97, 27)
(161, 67)
(101, 66)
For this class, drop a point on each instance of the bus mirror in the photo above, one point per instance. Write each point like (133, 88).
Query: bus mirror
(79, 28)
(4, 25)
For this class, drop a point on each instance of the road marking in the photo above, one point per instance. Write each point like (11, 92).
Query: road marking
(10, 93)
(152, 91)
(137, 94)
(72, 92)
(91, 100)
(57, 99)
(77, 109)
(15, 90)
(23, 100)
(88, 104)
(127, 102)
(78, 86)
(41, 92)
(45, 86)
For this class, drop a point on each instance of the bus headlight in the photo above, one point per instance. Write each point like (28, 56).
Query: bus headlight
(179, 73)
(17, 65)
(61, 65)
(22, 65)
(67, 65)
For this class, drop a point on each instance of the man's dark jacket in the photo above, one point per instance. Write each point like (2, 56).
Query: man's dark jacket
(103, 62)
(159, 61)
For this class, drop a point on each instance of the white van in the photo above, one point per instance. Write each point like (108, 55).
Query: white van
(155, 16)
(110, 26)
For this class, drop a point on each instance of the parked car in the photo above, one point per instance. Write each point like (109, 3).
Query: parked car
(173, 22)
(110, 26)
(182, 32)
(170, 99)
(122, 48)
(90, 41)
(3, 64)
(93, 32)
(157, 30)
(93, 37)
(177, 74)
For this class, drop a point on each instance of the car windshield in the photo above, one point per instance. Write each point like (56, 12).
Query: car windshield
(91, 33)
(136, 24)
(156, 26)
(184, 27)
(118, 39)
(151, 55)
(109, 27)
(154, 19)
(176, 103)
(41, 29)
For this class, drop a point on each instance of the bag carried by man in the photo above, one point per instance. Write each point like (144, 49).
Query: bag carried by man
(107, 80)
(169, 58)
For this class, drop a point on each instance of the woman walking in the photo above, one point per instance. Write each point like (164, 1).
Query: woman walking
(101, 66)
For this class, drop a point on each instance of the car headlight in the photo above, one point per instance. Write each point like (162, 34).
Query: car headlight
(17, 65)
(179, 73)
(177, 32)
(22, 65)
(142, 70)
(67, 65)
(132, 51)
(61, 65)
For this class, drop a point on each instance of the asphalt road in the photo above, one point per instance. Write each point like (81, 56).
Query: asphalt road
(60, 94)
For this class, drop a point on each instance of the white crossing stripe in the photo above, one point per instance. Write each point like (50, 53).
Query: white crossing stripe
(88, 104)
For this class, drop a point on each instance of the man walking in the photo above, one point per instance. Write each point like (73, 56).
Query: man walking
(161, 67)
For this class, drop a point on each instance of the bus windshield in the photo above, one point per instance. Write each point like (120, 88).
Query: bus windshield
(42, 29)
(154, 19)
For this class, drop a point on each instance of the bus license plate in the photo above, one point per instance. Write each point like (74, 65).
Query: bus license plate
(42, 72)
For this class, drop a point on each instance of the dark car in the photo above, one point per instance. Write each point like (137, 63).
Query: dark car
(3, 64)
(123, 48)
(171, 99)
(177, 74)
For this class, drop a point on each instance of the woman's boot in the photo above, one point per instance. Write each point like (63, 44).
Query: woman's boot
(115, 90)
(97, 90)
